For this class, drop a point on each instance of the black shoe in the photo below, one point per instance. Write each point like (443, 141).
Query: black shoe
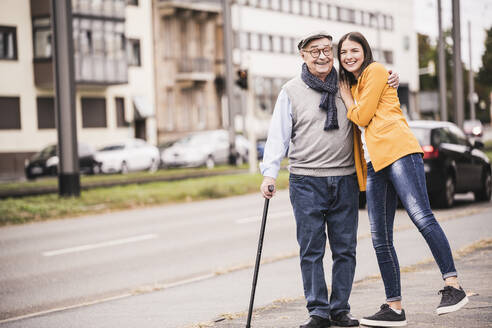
(386, 317)
(344, 319)
(452, 300)
(316, 322)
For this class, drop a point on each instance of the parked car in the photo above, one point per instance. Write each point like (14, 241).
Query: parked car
(473, 128)
(207, 148)
(128, 155)
(452, 164)
(260, 148)
(45, 162)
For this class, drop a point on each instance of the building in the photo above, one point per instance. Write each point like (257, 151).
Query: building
(189, 67)
(113, 73)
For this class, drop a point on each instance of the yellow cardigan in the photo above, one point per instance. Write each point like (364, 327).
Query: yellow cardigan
(377, 109)
(360, 162)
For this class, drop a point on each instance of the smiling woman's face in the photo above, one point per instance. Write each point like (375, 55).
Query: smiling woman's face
(351, 56)
(321, 66)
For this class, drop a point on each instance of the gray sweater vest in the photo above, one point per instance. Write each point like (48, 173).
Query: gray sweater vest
(313, 151)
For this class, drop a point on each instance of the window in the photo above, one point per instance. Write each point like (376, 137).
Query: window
(287, 47)
(346, 15)
(132, 2)
(10, 113)
(120, 112)
(275, 5)
(277, 43)
(46, 112)
(324, 11)
(8, 43)
(266, 42)
(388, 56)
(93, 112)
(244, 40)
(406, 43)
(296, 7)
(254, 41)
(266, 92)
(265, 4)
(134, 58)
(389, 22)
(374, 20)
(306, 8)
(287, 6)
(359, 17)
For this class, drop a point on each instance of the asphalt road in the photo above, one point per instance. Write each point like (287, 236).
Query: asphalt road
(197, 259)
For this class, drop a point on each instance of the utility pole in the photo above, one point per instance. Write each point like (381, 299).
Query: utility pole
(68, 175)
(471, 82)
(457, 66)
(250, 116)
(227, 33)
(443, 101)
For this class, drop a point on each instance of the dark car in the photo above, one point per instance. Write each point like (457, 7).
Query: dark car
(260, 148)
(45, 162)
(452, 164)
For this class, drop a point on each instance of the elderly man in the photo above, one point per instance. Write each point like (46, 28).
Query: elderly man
(325, 153)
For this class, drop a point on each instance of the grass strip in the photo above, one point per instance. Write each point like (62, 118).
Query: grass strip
(487, 149)
(87, 180)
(101, 200)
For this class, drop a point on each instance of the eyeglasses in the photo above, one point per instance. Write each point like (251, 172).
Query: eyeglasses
(316, 52)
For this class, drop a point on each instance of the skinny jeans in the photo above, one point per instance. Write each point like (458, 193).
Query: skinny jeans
(404, 179)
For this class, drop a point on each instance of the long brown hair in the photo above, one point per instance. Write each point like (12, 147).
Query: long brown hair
(346, 76)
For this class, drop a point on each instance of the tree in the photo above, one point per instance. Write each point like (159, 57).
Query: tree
(483, 81)
(427, 53)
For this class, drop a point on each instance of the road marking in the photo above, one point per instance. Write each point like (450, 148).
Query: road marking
(138, 291)
(109, 243)
(258, 218)
(64, 308)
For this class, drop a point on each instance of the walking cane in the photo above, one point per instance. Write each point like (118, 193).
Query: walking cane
(258, 257)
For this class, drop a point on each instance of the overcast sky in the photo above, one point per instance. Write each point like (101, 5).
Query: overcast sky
(479, 12)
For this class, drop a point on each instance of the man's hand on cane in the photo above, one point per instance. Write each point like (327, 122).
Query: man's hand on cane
(267, 181)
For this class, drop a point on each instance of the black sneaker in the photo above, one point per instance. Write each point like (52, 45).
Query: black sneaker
(344, 319)
(452, 300)
(386, 317)
(316, 322)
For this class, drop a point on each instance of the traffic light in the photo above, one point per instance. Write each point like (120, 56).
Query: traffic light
(242, 78)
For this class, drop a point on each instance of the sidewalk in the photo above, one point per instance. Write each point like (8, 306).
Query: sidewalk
(420, 285)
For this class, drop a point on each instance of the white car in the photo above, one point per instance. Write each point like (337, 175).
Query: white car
(206, 148)
(128, 155)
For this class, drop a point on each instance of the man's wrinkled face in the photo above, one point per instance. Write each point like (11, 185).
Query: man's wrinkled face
(318, 56)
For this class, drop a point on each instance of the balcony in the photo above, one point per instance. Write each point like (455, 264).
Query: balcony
(195, 69)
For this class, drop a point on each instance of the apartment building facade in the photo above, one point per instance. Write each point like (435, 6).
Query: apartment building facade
(189, 67)
(113, 74)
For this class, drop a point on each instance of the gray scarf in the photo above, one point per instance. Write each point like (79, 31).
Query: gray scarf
(328, 89)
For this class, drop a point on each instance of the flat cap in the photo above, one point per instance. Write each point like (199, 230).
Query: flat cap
(313, 36)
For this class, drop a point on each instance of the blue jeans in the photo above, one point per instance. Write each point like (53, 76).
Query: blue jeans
(326, 204)
(405, 178)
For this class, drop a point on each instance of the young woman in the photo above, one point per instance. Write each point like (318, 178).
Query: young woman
(394, 169)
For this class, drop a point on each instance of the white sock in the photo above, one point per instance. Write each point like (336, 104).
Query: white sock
(397, 311)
